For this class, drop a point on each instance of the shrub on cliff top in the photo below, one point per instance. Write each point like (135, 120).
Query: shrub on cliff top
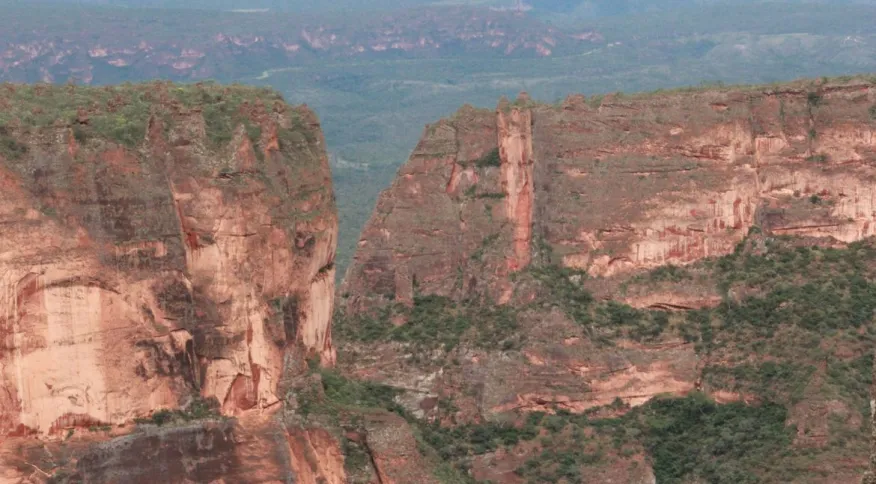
(121, 113)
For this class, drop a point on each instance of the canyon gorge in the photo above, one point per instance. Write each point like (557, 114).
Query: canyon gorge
(663, 287)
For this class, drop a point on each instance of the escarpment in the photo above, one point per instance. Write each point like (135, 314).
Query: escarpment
(162, 246)
(622, 183)
(581, 271)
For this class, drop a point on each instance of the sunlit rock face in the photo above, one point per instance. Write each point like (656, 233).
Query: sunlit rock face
(618, 184)
(612, 187)
(158, 244)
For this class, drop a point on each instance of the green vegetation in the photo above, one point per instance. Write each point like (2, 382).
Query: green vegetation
(769, 381)
(488, 242)
(603, 321)
(796, 295)
(717, 443)
(686, 437)
(851, 381)
(435, 322)
(690, 437)
(373, 107)
(489, 159)
(786, 308)
(356, 459)
(668, 273)
(454, 443)
(197, 409)
(338, 394)
(121, 113)
(10, 147)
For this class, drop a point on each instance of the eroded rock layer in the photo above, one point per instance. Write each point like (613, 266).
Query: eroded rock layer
(618, 184)
(159, 244)
(618, 259)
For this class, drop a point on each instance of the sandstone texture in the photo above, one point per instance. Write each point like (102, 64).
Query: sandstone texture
(622, 183)
(161, 245)
(671, 287)
(595, 256)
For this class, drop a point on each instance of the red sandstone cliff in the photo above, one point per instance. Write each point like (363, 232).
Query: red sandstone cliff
(612, 187)
(623, 183)
(162, 244)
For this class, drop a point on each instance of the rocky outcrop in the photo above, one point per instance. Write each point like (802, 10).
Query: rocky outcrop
(161, 244)
(515, 155)
(589, 258)
(245, 450)
(620, 184)
(316, 457)
(394, 451)
(445, 196)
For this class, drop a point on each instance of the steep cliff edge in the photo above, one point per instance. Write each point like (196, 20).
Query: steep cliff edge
(623, 183)
(591, 258)
(162, 247)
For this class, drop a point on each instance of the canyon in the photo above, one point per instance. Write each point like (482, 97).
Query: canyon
(661, 287)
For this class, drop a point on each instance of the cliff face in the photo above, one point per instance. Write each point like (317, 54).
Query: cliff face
(595, 256)
(161, 246)
(622, 184)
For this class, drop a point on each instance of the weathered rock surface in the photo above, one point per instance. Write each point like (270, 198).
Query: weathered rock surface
(617, 185)
(159, 244)
(620, 184)
(599, 193)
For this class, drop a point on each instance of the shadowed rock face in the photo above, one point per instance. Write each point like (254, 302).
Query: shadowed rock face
(158, 243)
(620, 184)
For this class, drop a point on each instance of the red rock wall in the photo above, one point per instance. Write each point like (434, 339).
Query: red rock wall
(621, 184)
(515, 153)
(134, 278)
(441, 199)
